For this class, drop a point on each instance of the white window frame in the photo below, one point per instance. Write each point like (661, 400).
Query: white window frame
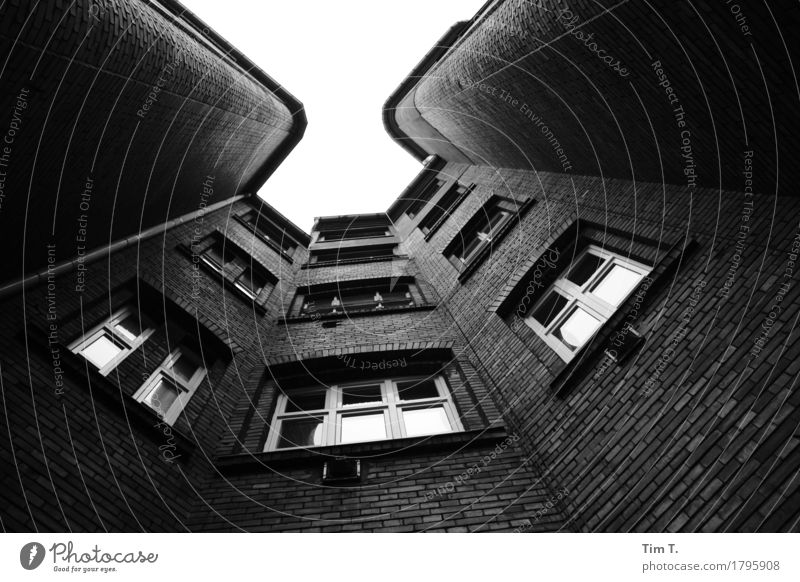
(186, 389)
(581, 296)
(106, 328)
(390, 405)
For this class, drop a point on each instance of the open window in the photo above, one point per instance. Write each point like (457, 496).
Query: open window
(371, 410)
(586, 294)
(111, 341)
(170, 387)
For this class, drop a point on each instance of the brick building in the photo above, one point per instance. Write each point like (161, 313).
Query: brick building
(570, 329)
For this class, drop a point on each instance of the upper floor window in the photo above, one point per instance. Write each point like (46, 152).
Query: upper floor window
(420, 199)
(352, 227)
(172, 384)
(483, 229)
(442, 209)
(352, 254)
(110, 342)
(238, 268)
(355, 296)
(583, 298)
(362, 411)
(270, 232)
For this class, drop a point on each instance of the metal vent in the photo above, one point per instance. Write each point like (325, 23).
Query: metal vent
(341, 470)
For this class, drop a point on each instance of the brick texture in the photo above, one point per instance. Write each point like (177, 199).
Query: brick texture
(89, 70)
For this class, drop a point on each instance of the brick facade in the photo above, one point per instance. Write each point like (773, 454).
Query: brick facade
(127, 108)
(694, 431)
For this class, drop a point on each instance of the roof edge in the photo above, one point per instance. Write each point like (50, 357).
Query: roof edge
(409, 84)
(206, 34)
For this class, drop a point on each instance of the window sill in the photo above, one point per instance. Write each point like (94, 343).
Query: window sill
(354, 313)
(353, 261)
(293, 458)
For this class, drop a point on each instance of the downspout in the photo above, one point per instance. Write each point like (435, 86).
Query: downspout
(107, 250)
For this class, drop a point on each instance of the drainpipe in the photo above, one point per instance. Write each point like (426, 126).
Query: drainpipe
(104, 251)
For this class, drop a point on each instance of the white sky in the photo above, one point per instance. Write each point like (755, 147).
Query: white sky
(342, 60)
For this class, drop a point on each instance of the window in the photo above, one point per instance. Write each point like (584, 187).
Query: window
(110, 342)
(583, 298)
(169, 388)
(363, 411)
(353, 227)
(418, 201)
(356, 296)
(440, 211)
(270, 232)
(486, 227)
(352, 254)
(238, 268)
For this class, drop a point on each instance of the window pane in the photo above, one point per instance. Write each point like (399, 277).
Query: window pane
(351, 253)
(549, 308)
(101, 351)
(475, 243)
(426, 421)
(364, 427)
(129, 328)
(252, 280)
(214, 253)
(497, 219)
(578, 328)
(300, 432)
(356, 299)
(302, 401)
(417, 389)
(251, 217)
(586, 266)
(223, 255)
(399, 296)
(616, 285)
(162, 396)
(354, 396)
(184, 368)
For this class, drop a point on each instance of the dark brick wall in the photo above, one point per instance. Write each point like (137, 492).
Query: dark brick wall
(86, 456)
(711, 445)
(454, 491)
(692, 433)
(695, 432)
(96, 451)
(88, 69)
(520, 84)
(398, 490)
